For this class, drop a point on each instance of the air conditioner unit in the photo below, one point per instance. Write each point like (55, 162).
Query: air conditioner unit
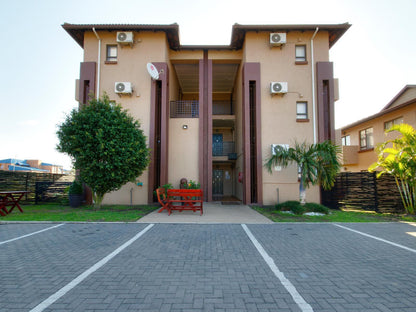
(125, 37)
(123, 88)
(278, 87)
(285, 146)
(277, 39)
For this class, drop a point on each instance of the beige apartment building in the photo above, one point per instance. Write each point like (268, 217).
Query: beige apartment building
(212, 113)
(359, 139)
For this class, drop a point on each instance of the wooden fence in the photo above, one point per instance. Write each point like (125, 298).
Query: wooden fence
(363, 190)
(43, 187)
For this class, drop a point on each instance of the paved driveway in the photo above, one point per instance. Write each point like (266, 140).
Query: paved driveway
(207, 267)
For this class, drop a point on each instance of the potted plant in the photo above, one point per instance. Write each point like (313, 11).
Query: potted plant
(75, 194)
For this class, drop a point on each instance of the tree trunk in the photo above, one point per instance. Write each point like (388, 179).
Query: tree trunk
(302, 193)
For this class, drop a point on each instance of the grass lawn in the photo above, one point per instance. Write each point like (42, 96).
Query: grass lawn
(56, 212)
(334, 216)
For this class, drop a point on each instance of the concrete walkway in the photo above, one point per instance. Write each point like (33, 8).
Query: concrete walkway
(213, 213)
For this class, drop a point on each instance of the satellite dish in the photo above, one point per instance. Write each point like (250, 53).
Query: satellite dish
(153, 72)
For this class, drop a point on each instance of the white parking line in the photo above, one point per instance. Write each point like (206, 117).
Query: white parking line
(377, 238)
(61, 292)
(30, 234)
(302, 304)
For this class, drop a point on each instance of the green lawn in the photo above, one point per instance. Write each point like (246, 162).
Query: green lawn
(334, 216)
(56, 212)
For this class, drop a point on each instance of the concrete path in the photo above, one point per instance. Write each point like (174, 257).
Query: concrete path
(213, 213)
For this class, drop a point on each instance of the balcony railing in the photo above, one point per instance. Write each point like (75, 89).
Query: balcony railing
(223, 149)
(184, 109)
(222, 107)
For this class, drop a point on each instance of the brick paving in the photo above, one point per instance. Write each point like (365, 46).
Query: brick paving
(208, 267)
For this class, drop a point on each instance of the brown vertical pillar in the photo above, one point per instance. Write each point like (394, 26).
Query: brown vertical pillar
(164, 133)
(86, 81)
(325, 101)
(251, 73)
(205, 126)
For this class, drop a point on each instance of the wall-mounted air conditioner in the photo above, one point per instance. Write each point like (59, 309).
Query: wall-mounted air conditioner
(125, 37)
(123, 88)
(277, 39)
(285, 146)
(278, 87)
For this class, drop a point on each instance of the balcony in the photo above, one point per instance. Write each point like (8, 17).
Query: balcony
(223, 151)
(184, 109)
(350, 154)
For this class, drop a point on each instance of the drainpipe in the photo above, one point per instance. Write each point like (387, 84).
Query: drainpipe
(99, 63)
(313, 87)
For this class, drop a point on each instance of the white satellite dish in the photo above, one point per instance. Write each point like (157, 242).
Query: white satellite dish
(153, 72)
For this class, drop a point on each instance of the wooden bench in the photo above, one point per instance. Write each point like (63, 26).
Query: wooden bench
(180, 199)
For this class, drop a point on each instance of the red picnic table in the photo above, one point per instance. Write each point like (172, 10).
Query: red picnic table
(180, 199)
(10, 199)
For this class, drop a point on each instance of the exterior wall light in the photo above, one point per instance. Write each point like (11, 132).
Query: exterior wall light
(185, 127)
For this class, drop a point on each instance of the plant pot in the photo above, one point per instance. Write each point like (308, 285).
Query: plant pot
(75, 200)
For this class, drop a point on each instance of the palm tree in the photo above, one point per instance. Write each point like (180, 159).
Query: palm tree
(317, 163)
(398, 158)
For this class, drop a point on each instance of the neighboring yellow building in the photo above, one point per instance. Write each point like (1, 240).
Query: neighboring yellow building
(359, 139)
(214, 112)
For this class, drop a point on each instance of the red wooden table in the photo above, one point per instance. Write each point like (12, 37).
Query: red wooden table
(184, 199)
(180, 199)
(10, 199)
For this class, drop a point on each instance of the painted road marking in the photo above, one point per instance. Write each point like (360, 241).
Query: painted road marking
(61, 292)
(376, 238)
(302, 304)
(30, 234)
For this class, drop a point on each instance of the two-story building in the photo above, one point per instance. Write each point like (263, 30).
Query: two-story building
(212, 113)
(360, 138)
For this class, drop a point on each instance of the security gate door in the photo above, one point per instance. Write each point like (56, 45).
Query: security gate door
(217, 149)
(217, 182)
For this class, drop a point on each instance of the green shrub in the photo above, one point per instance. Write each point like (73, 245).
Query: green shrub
(299, 209)
(192, 185)
(287, 206)
(75, 188)
(314, 207)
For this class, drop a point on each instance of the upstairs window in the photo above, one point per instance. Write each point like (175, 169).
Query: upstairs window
(300, 54)
(111, 54)
(366, 139)
(302, 110)
(346, 140)
(391, 123)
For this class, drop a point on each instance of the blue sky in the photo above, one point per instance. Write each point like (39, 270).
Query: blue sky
(374, 60)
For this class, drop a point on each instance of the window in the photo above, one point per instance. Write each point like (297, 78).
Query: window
(366, 139)
(346, 140)
(302, 110)
(394, 122)
(300, 54)
(111, 53)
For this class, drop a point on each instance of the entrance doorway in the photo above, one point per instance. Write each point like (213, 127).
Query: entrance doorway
(217, 184)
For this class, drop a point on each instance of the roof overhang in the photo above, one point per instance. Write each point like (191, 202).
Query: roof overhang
(77, 32)
(335, 31)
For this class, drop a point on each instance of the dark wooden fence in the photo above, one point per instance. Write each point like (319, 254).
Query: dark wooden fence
(363, 190)
(43, 187)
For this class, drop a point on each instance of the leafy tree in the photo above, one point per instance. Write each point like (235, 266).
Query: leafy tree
(106, 144)
(317, 163)
(398, 158)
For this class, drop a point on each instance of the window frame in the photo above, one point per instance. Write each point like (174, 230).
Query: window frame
(302, 116)
(393, 122)
(367, 139)
(301, 60)
(110, 59)
(346, 140)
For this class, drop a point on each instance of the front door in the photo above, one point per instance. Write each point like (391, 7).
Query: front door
(217, 183)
